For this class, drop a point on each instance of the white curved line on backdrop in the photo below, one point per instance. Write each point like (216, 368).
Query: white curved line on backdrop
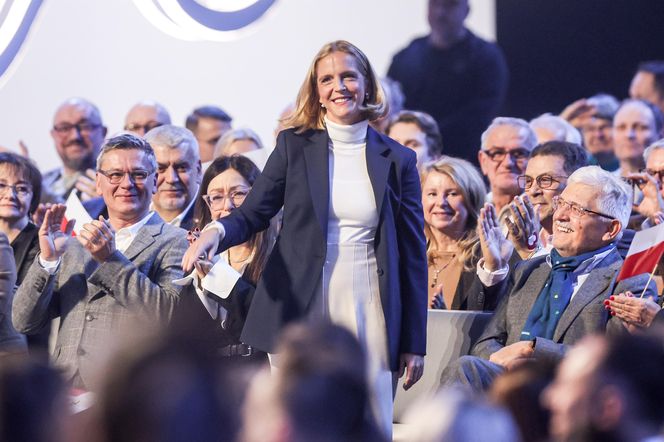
(159, 20)
(11, 23)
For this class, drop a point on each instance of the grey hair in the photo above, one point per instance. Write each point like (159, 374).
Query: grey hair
(561, 129)
(530, 141)
(127, 141)
(235, 135)
(174, 137)
(659, 144)
(614, 195)
(94, 114)
(162, 113)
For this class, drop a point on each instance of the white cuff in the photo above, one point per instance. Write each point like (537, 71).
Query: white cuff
(216, 225)
(50, 266)
(488, 278)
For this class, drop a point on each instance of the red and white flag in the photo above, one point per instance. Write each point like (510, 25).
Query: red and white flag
(644, 252)
(76, 211)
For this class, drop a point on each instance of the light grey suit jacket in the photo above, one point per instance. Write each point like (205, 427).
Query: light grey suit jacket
(584, 315)
(95, 300)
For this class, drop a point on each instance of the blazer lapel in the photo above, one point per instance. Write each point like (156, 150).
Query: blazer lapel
(378, 166)
(597, 282)
(145, 237)
(316, 157)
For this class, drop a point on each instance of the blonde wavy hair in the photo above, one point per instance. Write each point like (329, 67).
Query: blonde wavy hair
(472, 187)
(308, 113)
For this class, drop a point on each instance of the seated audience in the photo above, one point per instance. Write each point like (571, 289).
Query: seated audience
(222, 299)
(418, 131)
(78, 133)
(451, 415)
(208, 124)
(554, 128)
(552, 301)
(178, 174)
(651, 183)
(145, 116)
(609, 390)
(597, 129)
(531, 216)
(636, 125)
(506, 146)
(113, 273)
(318, 392)
(452, 196)
(648, 83)
(20, 184)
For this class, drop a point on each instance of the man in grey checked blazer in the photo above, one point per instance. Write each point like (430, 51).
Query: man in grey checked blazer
(588, 220)
(114, 273)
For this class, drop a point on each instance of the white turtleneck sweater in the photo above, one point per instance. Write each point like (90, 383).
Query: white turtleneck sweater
(352, 212)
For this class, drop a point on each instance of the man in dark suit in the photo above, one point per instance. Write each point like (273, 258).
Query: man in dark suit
(178, 174)
(553, 301)
(114, 273)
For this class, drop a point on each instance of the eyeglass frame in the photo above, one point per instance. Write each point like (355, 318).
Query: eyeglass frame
(493, 153)
(577, 208)
(130, 173)
(658, 174)
(4, 187)
(538, 180)
(231, 195)
(147, 127)
(81, 127)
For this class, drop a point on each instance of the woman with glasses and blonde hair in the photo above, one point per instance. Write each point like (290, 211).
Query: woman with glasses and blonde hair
(351, 249)
(453, 193)
(218, 299)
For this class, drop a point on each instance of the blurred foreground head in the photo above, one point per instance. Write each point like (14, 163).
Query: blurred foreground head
(318, 391)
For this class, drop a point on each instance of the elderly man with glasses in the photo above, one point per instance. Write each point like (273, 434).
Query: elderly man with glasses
(551, 302)
(78, 133)
(506, 146)
(114, 274)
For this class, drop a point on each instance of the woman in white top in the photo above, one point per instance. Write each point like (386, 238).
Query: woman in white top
(351, 248)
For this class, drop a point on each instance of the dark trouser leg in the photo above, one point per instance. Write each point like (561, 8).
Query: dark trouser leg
(470, 372)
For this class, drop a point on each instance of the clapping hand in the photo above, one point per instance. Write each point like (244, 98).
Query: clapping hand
(523, 226)
(652, 204)
(98, 237)
(52, 240)
(496, 249)
(438, 302)
(635, 313)
(204, 247)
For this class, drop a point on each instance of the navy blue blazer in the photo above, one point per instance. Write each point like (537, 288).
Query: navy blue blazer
(296, 177)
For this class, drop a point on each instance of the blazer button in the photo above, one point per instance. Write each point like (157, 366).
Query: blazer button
(380, 272)
(89, 317)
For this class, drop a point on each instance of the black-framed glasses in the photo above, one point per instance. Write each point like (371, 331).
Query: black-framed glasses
(216, 200)
(499, 155)
(577, 210)
(81, 127)
(138, 176)
(18, 189)
(147, 127)
(543, 181)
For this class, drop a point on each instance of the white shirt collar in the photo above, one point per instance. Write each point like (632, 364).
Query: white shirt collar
(178, 219)
(589, 264)
(125, 236)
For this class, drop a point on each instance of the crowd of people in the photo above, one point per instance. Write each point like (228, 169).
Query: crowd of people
(175, 283)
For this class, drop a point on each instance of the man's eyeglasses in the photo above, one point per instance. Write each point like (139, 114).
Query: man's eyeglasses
(81, 127)
(18, 189)
(543, 181)
(145, 128)
(216, 200)
(576, 209)
(138, 176)
(499, 155)
(659, 174)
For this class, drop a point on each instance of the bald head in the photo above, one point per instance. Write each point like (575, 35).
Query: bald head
(144, 116)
